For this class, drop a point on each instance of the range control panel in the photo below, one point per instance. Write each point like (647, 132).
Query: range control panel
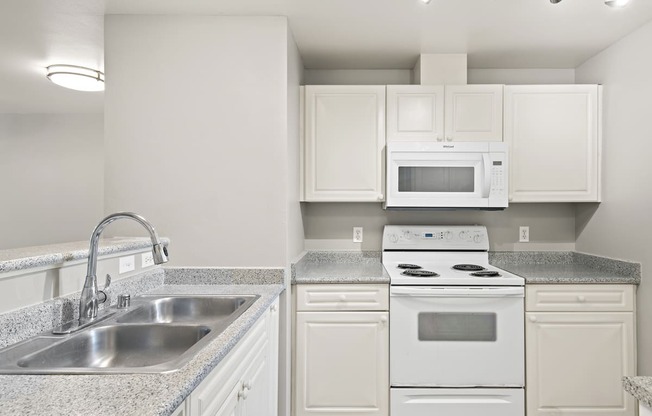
(430, 237)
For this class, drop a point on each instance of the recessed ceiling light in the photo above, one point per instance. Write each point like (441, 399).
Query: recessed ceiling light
(616, 3)
(76, 77)
(425, 1)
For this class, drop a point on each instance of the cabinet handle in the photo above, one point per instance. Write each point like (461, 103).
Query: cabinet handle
(533, 318)
(581, 298)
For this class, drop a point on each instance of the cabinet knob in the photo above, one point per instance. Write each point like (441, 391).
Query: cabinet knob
(449, 139)
(273, 308)
(247, 385)
(381, 197)
(581, 298)
(439, 139)
(242, 394)
(383, 319)
(533, 318)
(342, 298)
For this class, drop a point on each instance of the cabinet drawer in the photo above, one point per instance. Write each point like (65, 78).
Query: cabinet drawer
(342, 297)
(587, 298)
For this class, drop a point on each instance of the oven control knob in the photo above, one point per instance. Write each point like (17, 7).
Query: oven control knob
(393, 238)
(462, 235)
(448, 235)
(407, 235)
(477, 238)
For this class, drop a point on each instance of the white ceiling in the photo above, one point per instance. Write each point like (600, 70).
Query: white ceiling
(342, 34)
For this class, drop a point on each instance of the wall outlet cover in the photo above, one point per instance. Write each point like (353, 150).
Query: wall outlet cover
(146, 260)
(357, 234)
(524, 234)
(127, 264)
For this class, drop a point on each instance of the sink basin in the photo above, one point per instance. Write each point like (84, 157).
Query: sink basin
(118, 346)
(184, 309)
(157, 334)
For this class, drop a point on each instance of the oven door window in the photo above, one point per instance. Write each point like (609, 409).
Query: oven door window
(445, 326)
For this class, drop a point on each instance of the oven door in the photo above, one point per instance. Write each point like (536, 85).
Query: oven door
(456, 336)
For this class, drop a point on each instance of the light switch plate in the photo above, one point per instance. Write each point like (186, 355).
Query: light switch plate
(127, 264)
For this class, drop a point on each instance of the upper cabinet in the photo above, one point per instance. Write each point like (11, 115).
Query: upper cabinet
(554, 137)
(344, 141)
(452, 113)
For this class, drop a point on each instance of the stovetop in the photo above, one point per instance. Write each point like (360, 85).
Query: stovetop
(428, 256)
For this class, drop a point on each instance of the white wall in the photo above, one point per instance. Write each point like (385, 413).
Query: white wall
(196, 133)
(521, 76)
(621, 225)
(357, 76)
(51, 178)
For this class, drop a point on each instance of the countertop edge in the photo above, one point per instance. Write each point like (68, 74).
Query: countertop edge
(640, 388)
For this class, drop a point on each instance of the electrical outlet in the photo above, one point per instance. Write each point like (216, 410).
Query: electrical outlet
(146, 259)
(357, 234)
(127, 264)
(523, 234)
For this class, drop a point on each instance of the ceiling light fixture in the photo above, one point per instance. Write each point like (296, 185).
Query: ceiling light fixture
(76, 77)
(616, 3)
(425, 1)
(610, 3)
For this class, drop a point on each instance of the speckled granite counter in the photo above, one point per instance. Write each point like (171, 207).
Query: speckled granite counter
(135, 394)
(640, 388)
(339, 267)
(39, 256)
(566, 268)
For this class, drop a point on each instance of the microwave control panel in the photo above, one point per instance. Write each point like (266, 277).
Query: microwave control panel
(498, 178)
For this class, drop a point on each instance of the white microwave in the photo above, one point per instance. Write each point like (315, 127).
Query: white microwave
(448, 175)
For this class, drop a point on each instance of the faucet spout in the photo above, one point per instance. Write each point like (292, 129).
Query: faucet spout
(89, 297)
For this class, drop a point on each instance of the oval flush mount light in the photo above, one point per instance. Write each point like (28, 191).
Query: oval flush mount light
(616, 3)
(76, 77)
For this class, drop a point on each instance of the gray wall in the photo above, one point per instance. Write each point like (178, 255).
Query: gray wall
(196, 133)
(51, 178)
(621, 225)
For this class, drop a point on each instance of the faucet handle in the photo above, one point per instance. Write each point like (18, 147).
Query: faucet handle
(102, 296)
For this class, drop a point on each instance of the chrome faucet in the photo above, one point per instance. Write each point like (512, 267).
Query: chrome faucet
(90, 296)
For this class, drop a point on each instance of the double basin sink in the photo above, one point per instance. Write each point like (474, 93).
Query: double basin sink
(156, 334)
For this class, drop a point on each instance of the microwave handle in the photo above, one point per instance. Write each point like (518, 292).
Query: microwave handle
(486, 160)
(440, 292)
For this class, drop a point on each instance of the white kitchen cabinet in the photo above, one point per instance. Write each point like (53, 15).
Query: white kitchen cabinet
(474, 113)
(344, 142)
(244, 383)
(181, 410)
(554, 136)
(341, 358)
(451, 113)
(415, 112)
(576, 356)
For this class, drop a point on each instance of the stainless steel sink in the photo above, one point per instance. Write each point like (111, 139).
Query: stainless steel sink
(186, 309)
(157, 334)
(115, 346)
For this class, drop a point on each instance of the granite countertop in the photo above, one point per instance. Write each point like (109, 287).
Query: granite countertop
(640, 387)
(339, 267)
(134, 394)
(566, 268)
(39, 256)
(536, 267)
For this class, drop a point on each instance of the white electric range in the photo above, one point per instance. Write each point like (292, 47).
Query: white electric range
(456, 324)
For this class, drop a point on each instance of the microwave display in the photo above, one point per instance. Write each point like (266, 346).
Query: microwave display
(436, 179)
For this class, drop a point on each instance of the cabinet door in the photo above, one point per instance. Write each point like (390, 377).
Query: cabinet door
(344, 143)
(231, 405)
(415, 112)
(342, 364)
(553, 134)
(575, 363)
(256, 388)
(474, 113)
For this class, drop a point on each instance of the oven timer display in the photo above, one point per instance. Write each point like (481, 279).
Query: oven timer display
(433, 236)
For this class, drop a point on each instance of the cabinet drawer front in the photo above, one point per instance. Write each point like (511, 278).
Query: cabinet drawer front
(594, 298)
(342, 297)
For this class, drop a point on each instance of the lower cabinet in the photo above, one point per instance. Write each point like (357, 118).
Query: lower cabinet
(245, 382)
(342, 352)
(580, 342)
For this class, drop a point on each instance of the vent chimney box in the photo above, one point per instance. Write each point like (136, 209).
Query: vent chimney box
(440, 69)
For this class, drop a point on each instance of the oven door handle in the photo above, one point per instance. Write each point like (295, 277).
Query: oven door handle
(445, 292)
